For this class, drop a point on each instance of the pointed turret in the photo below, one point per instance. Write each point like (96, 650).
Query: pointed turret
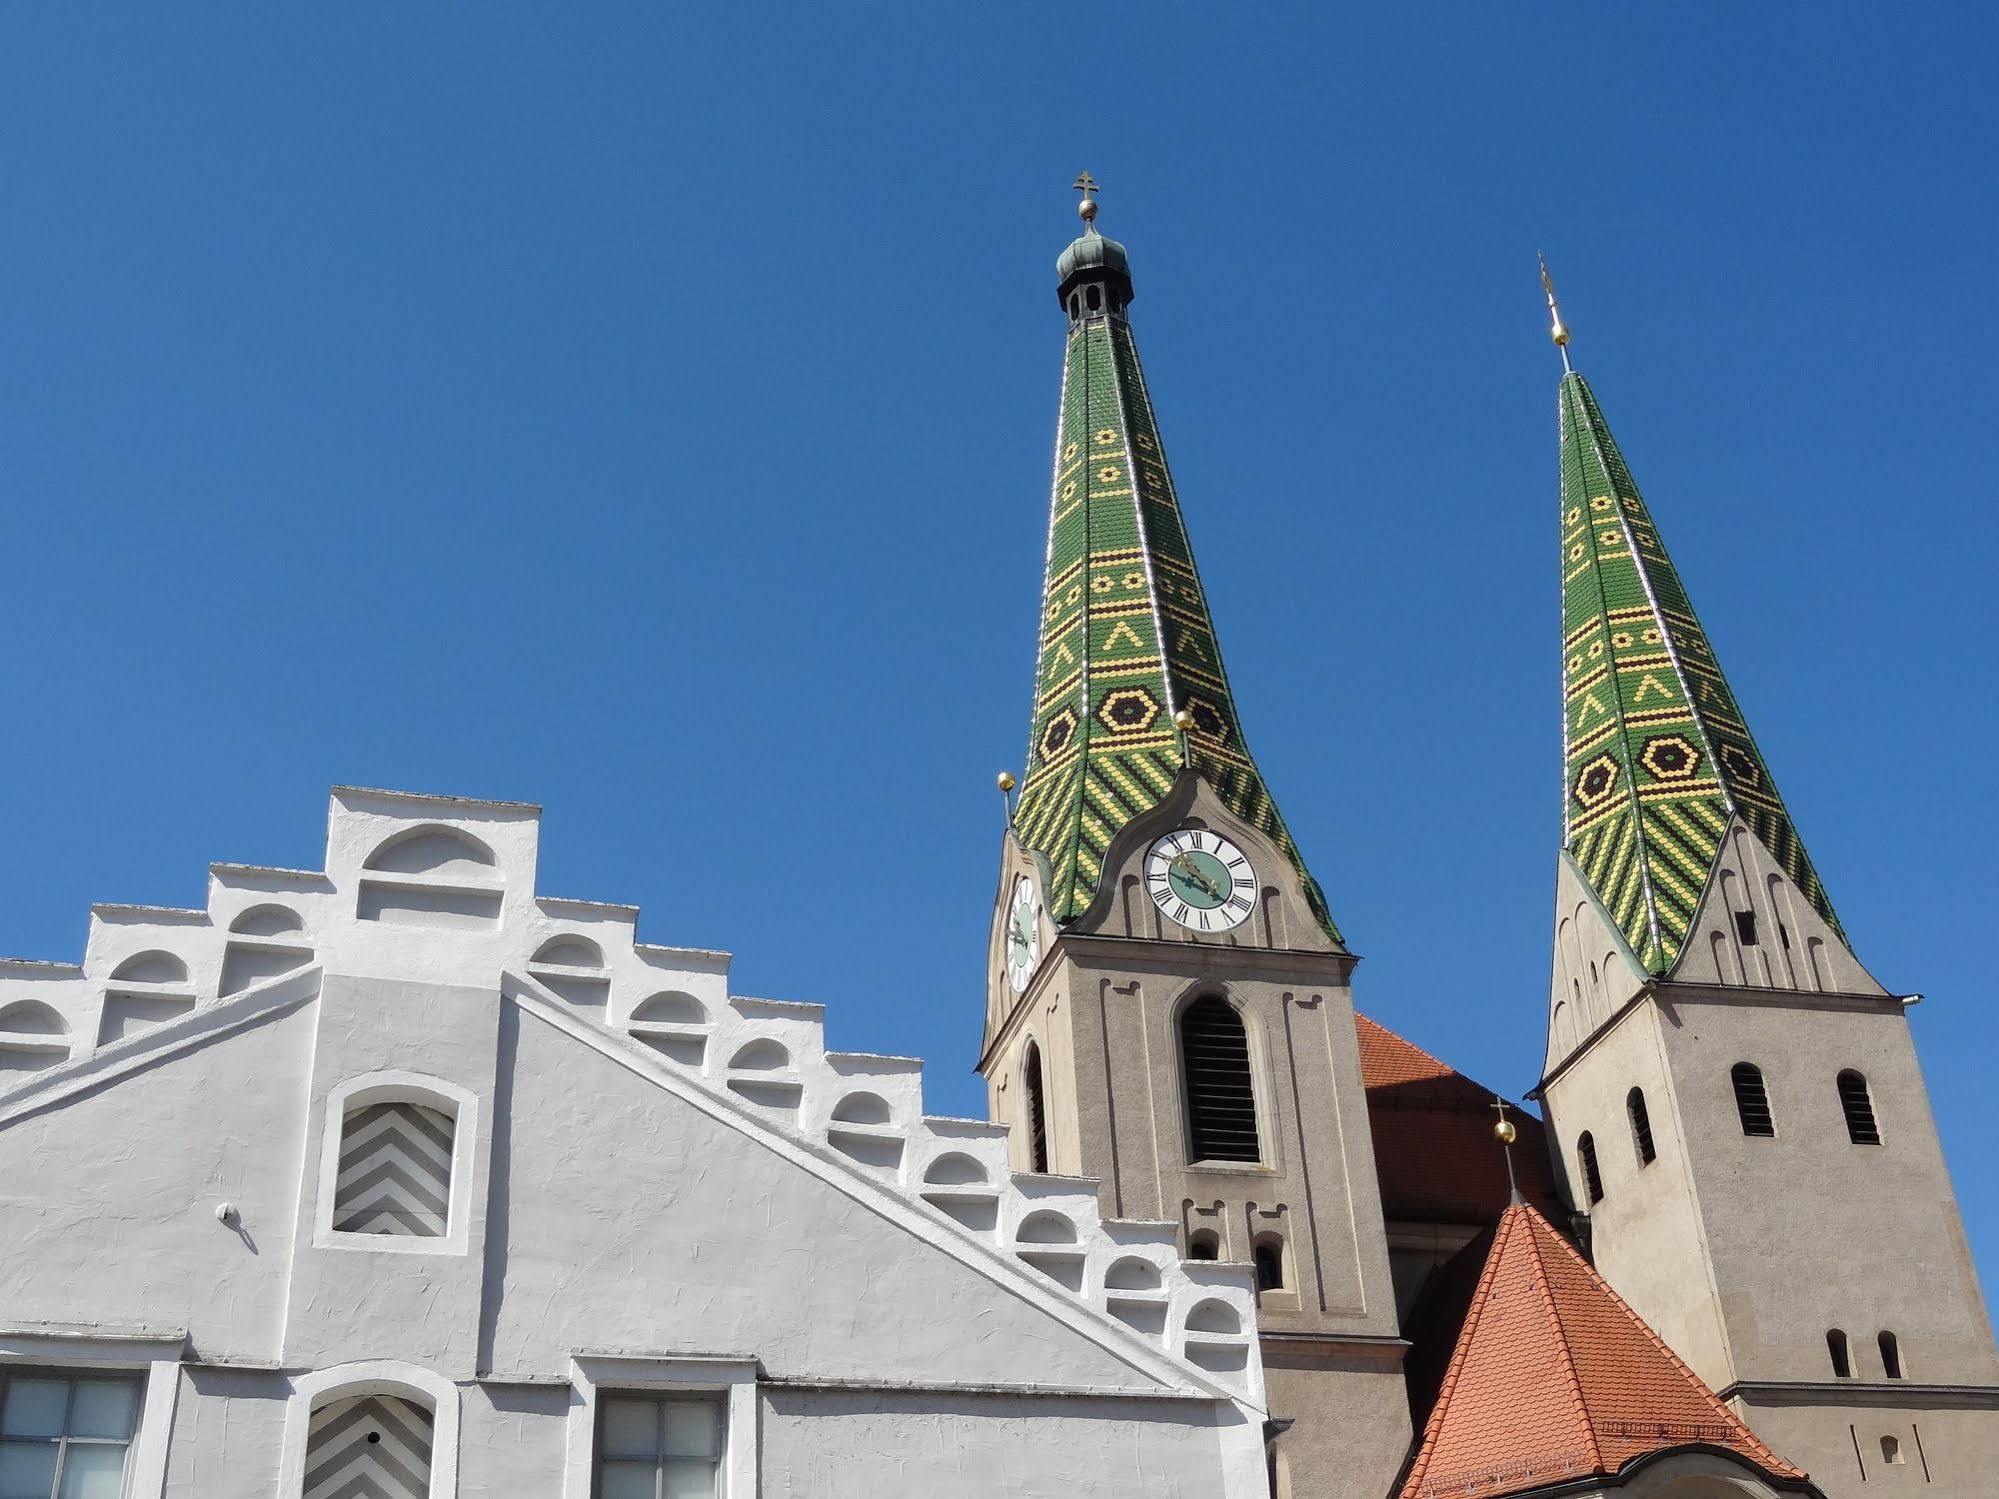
(1658, 756)
(1130, 685)
(1555, 1380)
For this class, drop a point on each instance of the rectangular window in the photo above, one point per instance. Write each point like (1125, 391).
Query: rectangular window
(65, 1434)
(659, 1447)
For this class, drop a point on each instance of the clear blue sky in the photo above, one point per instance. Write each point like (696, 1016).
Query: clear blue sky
(646, 412)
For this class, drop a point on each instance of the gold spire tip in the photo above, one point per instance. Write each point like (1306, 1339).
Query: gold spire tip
(1087, 209)
(1557, 329)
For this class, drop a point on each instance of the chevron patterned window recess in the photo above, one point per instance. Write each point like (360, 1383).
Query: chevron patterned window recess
(374, 1445)
(395, 1171)
(65, 1433)
(651, 1448)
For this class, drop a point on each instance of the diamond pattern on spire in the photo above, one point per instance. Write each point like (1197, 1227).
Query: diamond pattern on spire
(1657, 752)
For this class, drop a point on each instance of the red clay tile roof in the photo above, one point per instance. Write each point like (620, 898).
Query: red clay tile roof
(1555, 1378)
(1433, 1146)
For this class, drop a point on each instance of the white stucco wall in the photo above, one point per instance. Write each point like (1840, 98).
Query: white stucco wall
(167, 1184)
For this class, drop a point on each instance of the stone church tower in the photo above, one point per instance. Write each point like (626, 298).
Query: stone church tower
(1734, 1099)
(1168, 1006)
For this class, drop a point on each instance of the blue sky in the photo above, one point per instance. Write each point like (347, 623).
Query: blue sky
(646, 413)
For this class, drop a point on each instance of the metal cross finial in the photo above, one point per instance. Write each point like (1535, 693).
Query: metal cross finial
(1505, 1134)
(1087, 186)
(1557, 329)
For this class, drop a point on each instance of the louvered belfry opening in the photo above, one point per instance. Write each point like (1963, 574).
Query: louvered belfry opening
(1221, 1100)
(1752, 1103)
(1859, 1107)
(1037, 1112)
(1592, 1176)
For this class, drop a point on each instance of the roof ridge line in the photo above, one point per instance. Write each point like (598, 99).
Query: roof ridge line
(1433, 1428)
(1568, 1353)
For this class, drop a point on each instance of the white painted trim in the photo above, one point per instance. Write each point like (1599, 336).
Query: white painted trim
(736, 1378)
(395, 1086)
(147, 1471)
(374, 1377)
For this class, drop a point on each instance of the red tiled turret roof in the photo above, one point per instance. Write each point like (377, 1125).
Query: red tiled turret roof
(1555, 1378)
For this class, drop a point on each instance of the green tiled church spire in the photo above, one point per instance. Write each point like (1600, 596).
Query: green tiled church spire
(1657, 755)
(1127, 646)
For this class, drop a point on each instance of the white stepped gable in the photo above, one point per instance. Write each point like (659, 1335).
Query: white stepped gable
(403, 869)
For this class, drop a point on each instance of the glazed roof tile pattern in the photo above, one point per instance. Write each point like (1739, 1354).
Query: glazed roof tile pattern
(1554, 1378)
(1434, 1154)
(1126, 640)
(1657, 754)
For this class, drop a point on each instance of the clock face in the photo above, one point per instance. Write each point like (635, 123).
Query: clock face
(1023, 934)
(1200, 880)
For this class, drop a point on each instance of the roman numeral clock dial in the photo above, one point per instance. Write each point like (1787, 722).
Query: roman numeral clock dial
(1200, 880)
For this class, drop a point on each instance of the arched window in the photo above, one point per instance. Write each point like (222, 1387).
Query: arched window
(1221, 1100)
(1641, 1126)
(1891, 1355)
(1037, 1110)
(1204, 1244)
(1842, 1360)
(1752, 1103)
(1592, 1178)
(1859, 1109)
(1268, 1254)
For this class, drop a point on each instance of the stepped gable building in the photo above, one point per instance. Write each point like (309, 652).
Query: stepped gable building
(398, 1179)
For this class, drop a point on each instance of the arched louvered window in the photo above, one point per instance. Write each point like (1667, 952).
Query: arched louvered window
(1842, 1360)
(1858, 1106)
(1592, 1177)
(1037, 1111)
(375, 1444)
(1891, 1356)
(1641, 1126)
(1221, 1100)
(1752, 1103)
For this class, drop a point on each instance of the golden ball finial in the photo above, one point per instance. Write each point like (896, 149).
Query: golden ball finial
(1504, 1132)
(1006, 780)
(1560, 334)
(1184, 721)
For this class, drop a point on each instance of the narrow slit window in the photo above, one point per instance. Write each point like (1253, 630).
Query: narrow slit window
(1752, 1100)
(1037, 1113)
(1842, 1360)
(1221, 1099)
(1592, 1177)
(1745, 928)
(1641, 1127)
(1891, 1356)
(1269, 1257)
(1858, 1106)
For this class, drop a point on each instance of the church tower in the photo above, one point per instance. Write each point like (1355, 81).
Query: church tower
(1168, 1004)
(1735, 1101)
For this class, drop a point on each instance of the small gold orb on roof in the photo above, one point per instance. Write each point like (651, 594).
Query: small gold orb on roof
(1560, 335)
(1504, 1132)
(1087, 210)
(1006, 780)
(1183, 720)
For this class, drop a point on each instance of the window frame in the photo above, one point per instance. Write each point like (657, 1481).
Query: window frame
(149, 1356)
(1590, 1168)
(1856, 1106)
(62, 1441)
(1735, 1082)
(395, 1086)
(1643, 1143)
(596, 1375)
